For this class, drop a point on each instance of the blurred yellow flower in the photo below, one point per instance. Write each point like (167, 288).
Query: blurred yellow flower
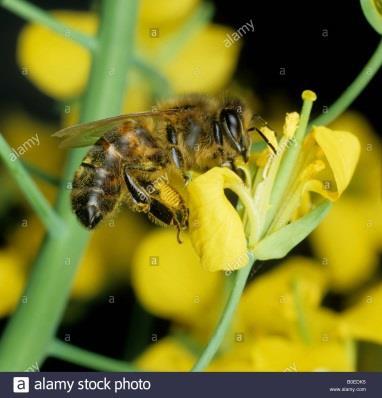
(116, 241)
(281, 325)
(22, 130)
(169, 281)
(63, 73)
(203, 64)
(165, 12)
(364, 318)
(279, 354)
(91, 278)
(166, 355)
(91, 275)
(269, 303)
(12, 280)
(349, 238)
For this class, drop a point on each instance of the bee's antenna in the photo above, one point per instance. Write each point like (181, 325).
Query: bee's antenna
(262, 135)
(254, 128)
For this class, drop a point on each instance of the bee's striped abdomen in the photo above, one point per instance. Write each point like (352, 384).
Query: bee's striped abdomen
(96, 185)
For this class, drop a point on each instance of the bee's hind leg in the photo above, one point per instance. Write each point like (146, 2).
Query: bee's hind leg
(163, 204)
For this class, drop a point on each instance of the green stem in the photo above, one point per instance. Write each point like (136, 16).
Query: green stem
(161, 85)
(31, 329)
(226, 318)
(32, 13)
(299, 308)
(193, 25)
(54, 224)
(353, 91)
(41, 174)
(91, 360)
(288, 163)
(250, 210)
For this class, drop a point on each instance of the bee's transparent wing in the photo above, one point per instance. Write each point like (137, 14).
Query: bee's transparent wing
(85, 134)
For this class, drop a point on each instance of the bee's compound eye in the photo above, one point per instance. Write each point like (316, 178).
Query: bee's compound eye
(232, 123)
(232, 126)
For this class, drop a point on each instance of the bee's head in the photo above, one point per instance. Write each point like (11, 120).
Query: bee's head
(232, 120)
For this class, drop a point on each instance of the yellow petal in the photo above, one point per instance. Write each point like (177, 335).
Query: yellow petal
(91, 276)
(123, 232)
(166, 355)
(344, 243)
(350, 238)
(279, 354)
(342, 150)
(55, 64)
(216, 229)
(268, 304)
(204, 64)
(363, 186)
(26, 133)
(165, 11)
(364, 318)
(169, 281)
(12, 279)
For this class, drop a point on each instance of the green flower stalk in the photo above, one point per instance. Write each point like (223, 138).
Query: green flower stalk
(27, 337)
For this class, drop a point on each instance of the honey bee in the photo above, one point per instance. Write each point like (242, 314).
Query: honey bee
(133, 155)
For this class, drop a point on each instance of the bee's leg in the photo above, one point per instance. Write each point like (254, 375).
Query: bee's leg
(176, 156)
(139, 199)
(163, 205)
(164, 214)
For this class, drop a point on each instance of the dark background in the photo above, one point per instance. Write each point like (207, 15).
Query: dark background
(287, 35)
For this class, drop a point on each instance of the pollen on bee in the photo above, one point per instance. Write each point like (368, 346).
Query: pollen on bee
(168, 195)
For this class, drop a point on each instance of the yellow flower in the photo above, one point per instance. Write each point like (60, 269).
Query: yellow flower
(63, 74)
(116, 241)
(32, 142)
(350, 237)
(165, 12)
(91, 275)
(364, 318)
(323, 166)
(203, 64)
(281, 325)
(279, 354)
(169, 282)
(269, 303)
(166, 355)
(12, 280)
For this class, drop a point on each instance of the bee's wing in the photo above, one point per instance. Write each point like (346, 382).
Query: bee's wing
(86, 134)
